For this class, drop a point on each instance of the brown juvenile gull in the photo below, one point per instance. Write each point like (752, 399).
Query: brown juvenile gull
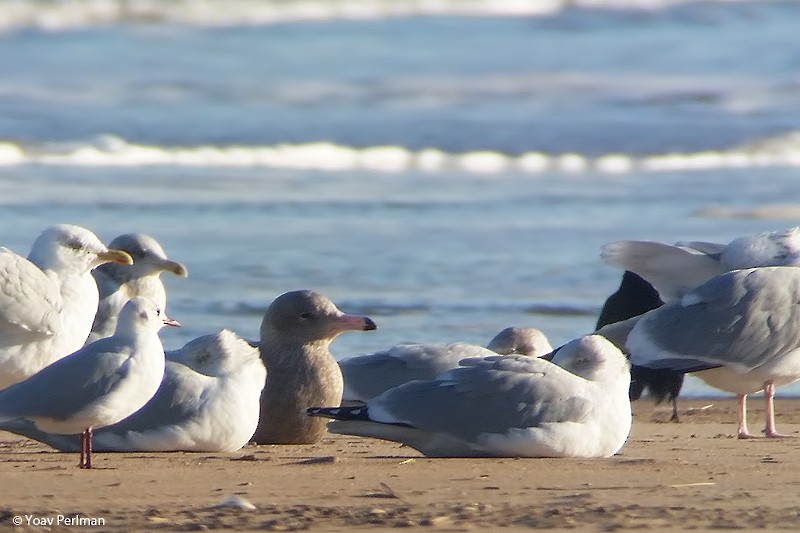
(296, 332)
(48, 301)
(119, 283)
(368, 375)
(506, 406)
(738, 332)
(98, 385)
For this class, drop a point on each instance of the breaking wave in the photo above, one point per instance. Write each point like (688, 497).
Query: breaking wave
(111, 151)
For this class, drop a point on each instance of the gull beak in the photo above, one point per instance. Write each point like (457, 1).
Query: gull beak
(115, 256)
(355, 323)
(179, 269)
(171, 322)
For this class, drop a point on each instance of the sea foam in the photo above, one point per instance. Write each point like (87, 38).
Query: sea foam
(112, 151)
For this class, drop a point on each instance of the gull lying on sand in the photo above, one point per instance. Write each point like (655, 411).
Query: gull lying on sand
(208, 401)
(296, 332)
(367, 376)
(506, 406)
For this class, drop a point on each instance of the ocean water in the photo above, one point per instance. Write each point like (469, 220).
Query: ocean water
(449, 168)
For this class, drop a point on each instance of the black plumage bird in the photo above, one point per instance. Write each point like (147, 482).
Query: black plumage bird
(634, 297)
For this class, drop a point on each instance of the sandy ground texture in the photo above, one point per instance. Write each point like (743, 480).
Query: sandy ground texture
(690, 475)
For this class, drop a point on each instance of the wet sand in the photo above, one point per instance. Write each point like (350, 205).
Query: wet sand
(690, 475)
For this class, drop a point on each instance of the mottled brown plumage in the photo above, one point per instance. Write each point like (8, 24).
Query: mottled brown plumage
(296, 331)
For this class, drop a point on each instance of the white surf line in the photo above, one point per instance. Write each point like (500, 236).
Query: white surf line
(76, 14)
(111, 151)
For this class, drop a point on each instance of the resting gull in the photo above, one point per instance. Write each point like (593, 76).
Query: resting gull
(506, 406)
(739, 332)
(98, 385)
(368, 375)
(208, 401)
(119, 283)
(296, 332)
(48, 301)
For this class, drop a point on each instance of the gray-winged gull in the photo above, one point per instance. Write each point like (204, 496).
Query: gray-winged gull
(675, 269)
(506, 406)
(296, 332)
(119, 283)
(100, 384)
(368, 375)
(739, 332)
(48, 301)
(208, 401)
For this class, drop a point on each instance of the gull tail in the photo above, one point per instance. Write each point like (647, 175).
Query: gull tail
(341, 413)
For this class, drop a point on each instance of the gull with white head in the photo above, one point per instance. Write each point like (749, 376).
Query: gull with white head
(506, 406)
(48, 301)
(98, 385)
(119, 283)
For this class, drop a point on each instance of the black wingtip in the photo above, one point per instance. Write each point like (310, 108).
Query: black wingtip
(340, 413)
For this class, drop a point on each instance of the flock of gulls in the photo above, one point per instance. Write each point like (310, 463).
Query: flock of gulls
(82, 366)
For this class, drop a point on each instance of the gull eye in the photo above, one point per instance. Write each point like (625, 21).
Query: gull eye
(158, 311)
(74, 245)
(305, 316)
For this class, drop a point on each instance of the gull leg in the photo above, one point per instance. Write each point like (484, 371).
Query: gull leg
(83, 450)
(743, 431)
(674, 417)
(86, 449)
(769, 395)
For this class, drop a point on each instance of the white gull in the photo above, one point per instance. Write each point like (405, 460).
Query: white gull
(48, 301)
(506, 406)
(98, 385)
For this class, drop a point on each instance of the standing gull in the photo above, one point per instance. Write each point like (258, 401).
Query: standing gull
(739, 332)
(48, 301)
(506, 406)
(296, 332)
(208, 401)
(368, 375)
(119, 283)
(100, 384)
(673, 270)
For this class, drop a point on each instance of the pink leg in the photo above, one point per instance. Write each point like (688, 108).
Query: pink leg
(86, 449)
(743, 431)
(769, 395)
(83, 450)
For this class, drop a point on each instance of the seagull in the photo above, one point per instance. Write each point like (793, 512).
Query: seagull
(520, 341)
(368, 375)
(506, 406)
(675, 269)
(98, 385)
(48, 301)
(738, 332)
(208, 401)
(672, 270)
(296, 332)
(119, 283)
